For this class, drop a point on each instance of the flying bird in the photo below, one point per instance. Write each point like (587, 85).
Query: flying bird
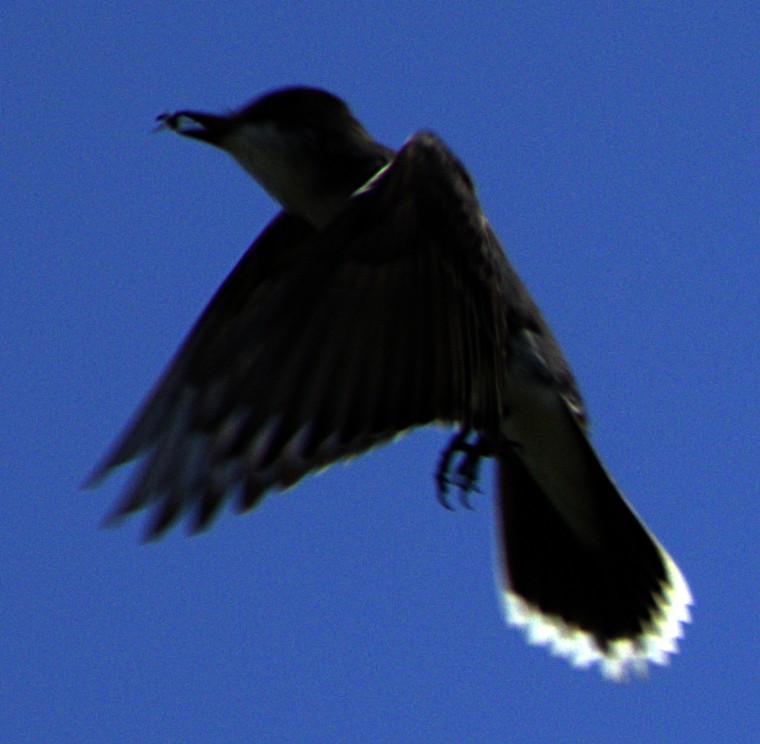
(379, 299)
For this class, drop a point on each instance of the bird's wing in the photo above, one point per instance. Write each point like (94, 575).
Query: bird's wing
(320, 345)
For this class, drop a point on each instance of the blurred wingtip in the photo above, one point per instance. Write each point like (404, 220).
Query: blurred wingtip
(113, 519)
(95, 477)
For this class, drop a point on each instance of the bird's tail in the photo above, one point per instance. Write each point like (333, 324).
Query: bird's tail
(619, 600)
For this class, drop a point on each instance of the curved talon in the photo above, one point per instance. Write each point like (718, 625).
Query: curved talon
(464, 499)
(443, 487)
(467, 477)
(467, 471)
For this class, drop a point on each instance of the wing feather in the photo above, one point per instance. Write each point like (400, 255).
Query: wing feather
(322, 344)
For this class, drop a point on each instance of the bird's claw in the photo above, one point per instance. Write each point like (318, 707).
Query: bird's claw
(465, 478)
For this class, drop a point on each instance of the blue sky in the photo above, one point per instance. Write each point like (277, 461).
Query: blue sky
(615, 149)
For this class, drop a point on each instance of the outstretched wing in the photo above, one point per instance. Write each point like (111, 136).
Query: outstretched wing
(321, 344)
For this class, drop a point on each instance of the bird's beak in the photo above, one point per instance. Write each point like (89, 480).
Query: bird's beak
(209, 128)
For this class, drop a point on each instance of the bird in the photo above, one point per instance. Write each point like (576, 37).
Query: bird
(378, 300)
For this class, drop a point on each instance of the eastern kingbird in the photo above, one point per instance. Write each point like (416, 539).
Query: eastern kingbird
(378, 300)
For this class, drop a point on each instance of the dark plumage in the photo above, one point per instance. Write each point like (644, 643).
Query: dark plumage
(377, 301)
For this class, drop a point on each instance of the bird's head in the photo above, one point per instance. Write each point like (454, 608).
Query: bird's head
(303, 145)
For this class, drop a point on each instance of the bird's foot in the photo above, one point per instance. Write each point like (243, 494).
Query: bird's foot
(465, 477)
